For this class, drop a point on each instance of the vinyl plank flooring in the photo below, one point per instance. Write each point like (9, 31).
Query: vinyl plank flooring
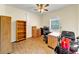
(32, 46)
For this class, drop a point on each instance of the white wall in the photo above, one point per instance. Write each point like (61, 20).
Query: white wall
(18, 14)
(78, 19)
(2, 9)
(32, 20)
(68, 18)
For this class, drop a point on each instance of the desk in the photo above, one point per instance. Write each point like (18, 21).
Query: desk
(52, 40)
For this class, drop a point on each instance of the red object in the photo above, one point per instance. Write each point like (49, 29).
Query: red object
(65, 43)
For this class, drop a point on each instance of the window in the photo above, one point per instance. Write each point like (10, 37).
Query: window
(55, 24)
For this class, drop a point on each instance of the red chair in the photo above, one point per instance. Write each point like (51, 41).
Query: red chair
(65, 43)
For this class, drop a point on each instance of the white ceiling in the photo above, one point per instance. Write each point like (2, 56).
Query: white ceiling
(32, 7)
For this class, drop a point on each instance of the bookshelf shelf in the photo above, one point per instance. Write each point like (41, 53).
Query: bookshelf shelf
(20, 30)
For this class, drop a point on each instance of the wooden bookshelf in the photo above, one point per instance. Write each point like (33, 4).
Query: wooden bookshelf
(20, 30)
(34, 31)
(38, 32)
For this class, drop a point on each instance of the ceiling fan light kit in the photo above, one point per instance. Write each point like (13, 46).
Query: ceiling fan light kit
(42, 7)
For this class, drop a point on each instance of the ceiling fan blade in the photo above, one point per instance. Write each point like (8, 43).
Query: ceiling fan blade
(46, 5)
(45, 9)
(37, 4)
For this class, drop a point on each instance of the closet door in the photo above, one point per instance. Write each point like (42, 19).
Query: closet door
(6, 46)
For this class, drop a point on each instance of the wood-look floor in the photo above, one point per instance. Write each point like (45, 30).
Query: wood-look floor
(32, 46)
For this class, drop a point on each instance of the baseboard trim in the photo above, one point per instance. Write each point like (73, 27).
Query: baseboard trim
(50, 47)
(21, 40)
(29, 37)
(18, 41)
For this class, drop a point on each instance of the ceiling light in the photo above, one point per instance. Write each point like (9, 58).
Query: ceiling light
(41, 7)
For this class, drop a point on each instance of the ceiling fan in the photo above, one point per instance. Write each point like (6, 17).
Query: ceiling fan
(42, 7)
